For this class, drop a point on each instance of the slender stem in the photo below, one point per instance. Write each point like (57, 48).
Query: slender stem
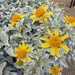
(45, 27)
(44, 63)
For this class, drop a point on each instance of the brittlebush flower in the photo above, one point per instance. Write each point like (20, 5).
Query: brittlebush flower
(70, 20)
(15, 18)
(55, 42)
(40, 14)
(55, 70)
(22, 52)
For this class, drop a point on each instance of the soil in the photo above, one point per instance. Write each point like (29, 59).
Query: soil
(68, 10)
(71, 11)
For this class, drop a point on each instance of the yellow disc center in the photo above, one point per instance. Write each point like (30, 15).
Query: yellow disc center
(55, 41)
(71, 19)
(21, 54)
(15, 17)
(39, 12)
(55, 70)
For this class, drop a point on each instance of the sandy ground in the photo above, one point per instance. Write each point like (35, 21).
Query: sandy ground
(68, 10)
(71, 11)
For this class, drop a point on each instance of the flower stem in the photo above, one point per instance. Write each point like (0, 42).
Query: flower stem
(45, 27)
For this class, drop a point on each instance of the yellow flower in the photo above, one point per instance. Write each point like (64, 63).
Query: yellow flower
(22, 52)
(55, 70)
(70, 20)
(40, 14)
(15, 18)
(55, 42)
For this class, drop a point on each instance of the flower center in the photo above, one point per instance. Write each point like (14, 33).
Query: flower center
(39, 12)
(15, 17)
(21, 54)
(71, 19)
(55, 70)
(55, 41)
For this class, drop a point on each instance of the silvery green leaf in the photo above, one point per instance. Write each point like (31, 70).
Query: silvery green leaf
(73, 57)
(10, 51)
(56, 58)
(63, 62)
(13, 43)
(2, 67)
(16, 35)
(8, 70)
(4, 37)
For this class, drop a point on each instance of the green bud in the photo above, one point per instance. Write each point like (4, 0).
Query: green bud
(19, 62)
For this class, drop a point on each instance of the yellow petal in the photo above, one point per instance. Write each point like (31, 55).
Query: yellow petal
(50, 13)
(13, 23)
(74, 23)
(52, 51)
(60, 69)
(23, 60)
(15, 55)
(66, 18)
(16, 49)
(32, 16)
(45, 19)
(26, 46)
(64, 37)
(28, 50)
(45, 45)
(70, 24)
(57, 52)
(50, 33)
(20, 46)
(41, 20)
(45, 7)
(64, 47)
(28, 58)
(44, 39)
(23, 46)
(33, 21)
(21, 15)
(56, 32)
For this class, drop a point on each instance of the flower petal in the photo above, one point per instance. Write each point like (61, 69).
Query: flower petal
(64, 47)
(57, 52)
(33, 21)
(41, 20)
(52, 51)
(64, 37)
(15, 55)
(45, 7)
(13, 23)
(20, 48)
(16, 49)
(28, 58)
(26, 46)
(32, 16)
(70, 24)
(28, 50)
(23, 46)
(45, 19)
(23, 60)
(48, 14)
(44, 39)
(66, 18)
(21, 15)
(50, 33)
(56, 32)
(45, 45)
